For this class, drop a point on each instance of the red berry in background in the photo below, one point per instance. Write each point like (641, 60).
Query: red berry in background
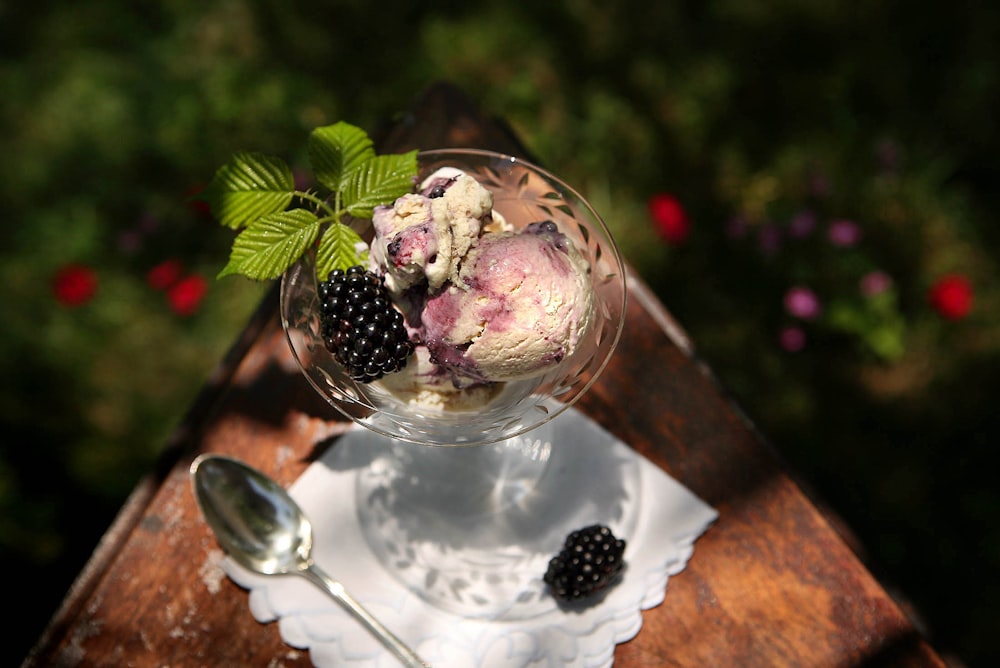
(165, 274)
(196, 204)
(74, 285)
(669, 218)
(185, 296)
(951, 296)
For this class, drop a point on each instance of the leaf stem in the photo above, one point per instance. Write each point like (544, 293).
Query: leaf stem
(322, 204)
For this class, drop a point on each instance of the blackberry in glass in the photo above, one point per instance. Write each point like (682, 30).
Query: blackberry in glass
(360, 326)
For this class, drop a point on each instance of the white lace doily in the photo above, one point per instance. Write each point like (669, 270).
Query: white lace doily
(384, 555)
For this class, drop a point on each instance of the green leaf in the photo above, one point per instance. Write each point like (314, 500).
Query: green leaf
(249, 186)
(273, 243)
(338, 249)
(336, 151)
(888, 341)
(383, 179)
(845, 317)
(254, 191)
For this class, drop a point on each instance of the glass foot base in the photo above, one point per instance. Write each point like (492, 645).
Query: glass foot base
(471, 530)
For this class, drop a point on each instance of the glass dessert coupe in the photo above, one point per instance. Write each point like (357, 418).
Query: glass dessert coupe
(464, 505)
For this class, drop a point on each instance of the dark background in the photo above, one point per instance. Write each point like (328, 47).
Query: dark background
(883, 113)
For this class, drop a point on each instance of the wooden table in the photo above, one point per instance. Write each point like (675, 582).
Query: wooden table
(772, 583)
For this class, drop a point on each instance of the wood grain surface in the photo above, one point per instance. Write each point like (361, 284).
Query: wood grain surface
(771, 583)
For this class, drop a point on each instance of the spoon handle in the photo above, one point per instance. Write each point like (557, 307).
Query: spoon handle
(409, 658)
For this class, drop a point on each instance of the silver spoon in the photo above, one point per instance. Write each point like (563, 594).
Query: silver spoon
(260, 526)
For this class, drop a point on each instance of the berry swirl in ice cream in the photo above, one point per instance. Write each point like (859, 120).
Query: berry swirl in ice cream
(521, 304)
(484, 304)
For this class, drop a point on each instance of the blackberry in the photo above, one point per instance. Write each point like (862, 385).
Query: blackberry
(590, 560)
(549, 228)
(542, 227)
(360, 326)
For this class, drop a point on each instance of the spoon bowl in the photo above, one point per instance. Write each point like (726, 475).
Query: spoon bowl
(263, 529)
(253, 518)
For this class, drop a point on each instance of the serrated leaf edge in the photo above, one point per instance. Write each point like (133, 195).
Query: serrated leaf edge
(266, 248)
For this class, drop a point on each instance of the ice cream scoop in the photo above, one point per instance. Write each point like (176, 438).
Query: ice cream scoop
(425, 236)
(520, 305)
(484, 304)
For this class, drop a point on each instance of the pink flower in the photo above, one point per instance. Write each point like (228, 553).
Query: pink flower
(792, 339)
(875, 283)
(669, 218)
(951, 296)
(186, 295)
(165, 274)
(74, 285)
(803, 303)
(844, 233)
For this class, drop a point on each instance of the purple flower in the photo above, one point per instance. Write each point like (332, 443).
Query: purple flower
(803, 303)
(802, 224)
(792, 339)
(844, 233)
(769, 238)
(875, 283)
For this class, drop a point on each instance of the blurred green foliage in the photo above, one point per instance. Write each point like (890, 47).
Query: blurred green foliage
(882, 113)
